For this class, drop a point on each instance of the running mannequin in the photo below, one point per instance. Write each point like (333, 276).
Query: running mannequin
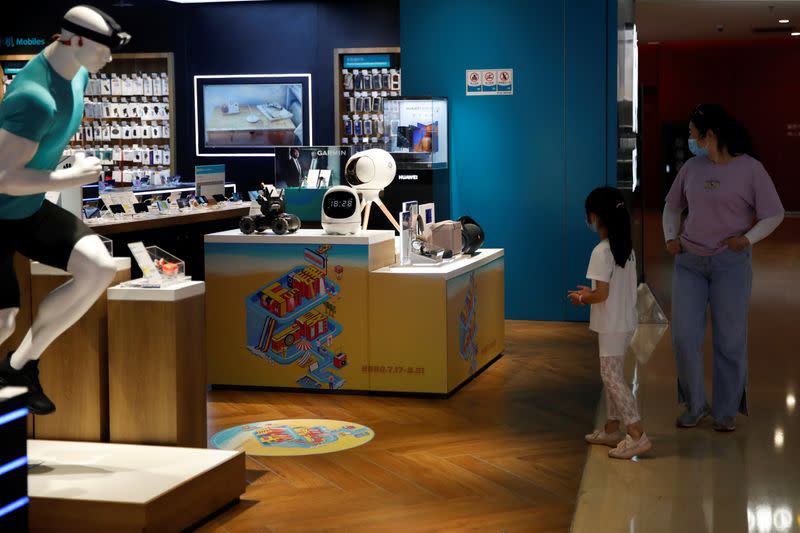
(41, 110)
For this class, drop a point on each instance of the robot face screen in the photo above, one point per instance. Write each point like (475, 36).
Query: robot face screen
(340, 204)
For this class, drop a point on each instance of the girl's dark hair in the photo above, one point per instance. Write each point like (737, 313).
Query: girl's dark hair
(609, 206)
(731, 134)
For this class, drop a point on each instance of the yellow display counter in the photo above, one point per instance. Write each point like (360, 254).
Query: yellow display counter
(433, 328)
(317, 311)
(291, 311)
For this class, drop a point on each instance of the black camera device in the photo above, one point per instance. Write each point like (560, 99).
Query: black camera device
(273, 205)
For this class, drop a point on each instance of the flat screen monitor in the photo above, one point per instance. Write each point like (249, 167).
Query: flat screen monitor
(306, 172)
(245, 115)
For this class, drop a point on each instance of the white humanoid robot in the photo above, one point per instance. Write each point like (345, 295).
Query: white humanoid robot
(40, 112)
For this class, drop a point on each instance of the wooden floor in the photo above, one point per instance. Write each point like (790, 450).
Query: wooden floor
(506, 453)
(503, 454)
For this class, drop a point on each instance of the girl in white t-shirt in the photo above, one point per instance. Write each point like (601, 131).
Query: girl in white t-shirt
(612, 269)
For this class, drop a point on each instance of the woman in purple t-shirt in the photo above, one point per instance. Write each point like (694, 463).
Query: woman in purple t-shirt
(732, 205)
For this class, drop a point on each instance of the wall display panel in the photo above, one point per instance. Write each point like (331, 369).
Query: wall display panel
(247, 115)
(364, 78)
(128, 121)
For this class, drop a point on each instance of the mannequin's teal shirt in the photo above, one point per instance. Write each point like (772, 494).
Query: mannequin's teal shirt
(45, 108)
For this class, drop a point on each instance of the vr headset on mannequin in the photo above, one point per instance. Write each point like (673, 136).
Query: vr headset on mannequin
(116, 40)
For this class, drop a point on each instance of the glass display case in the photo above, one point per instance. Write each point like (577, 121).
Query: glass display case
(109, 244)
(417, 130)
(159, 267)
(170, 268)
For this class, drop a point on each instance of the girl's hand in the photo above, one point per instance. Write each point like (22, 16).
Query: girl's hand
(579, 297)
(737, 244)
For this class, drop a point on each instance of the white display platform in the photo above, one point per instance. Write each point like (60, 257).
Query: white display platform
(302, 236)
(447, 269)
(85, 486)
(170, 293)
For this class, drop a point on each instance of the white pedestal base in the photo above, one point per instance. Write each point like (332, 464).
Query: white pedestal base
(85, 486)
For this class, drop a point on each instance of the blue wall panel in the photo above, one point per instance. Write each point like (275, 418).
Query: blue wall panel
(521, 165)
(586, 115)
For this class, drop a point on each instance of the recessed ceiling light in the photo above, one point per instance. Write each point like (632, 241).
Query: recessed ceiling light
(783, 21)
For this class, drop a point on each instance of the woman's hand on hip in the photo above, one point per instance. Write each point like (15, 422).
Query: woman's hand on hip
(674, 246)
(736, 244)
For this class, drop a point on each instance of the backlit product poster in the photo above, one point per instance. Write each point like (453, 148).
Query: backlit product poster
(287, 315)
(418, 126)
(305, 173)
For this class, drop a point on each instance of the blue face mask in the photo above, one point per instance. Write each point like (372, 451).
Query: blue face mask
(695, 148)
(592, 226)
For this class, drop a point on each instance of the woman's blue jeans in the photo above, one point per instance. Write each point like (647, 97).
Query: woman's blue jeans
(723, 282)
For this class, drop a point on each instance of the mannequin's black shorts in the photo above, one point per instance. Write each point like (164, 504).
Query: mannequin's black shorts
(47, 236)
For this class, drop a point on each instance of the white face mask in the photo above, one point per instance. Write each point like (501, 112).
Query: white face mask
(592, 225)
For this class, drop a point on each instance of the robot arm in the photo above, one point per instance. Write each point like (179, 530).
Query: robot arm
(15, 179)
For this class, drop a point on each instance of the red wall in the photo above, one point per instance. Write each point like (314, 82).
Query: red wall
(757, 81)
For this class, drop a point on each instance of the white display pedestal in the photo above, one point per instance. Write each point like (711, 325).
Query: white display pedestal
(86, 486)
(432, 328)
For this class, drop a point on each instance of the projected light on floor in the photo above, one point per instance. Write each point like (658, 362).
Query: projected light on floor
(293, 437)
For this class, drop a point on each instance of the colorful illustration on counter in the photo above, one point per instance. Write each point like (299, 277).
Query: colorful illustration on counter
(468, 325)
(293, 437)
(290, 320)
